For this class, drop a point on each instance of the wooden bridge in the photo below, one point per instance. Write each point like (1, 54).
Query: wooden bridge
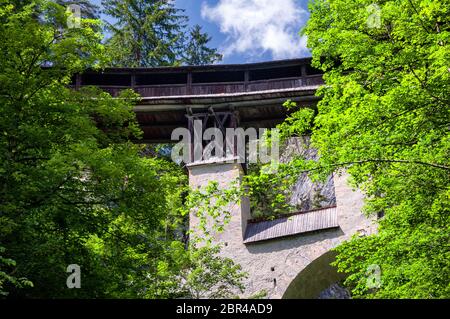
(252, 94)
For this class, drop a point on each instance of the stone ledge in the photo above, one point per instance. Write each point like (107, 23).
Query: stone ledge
(215, 160)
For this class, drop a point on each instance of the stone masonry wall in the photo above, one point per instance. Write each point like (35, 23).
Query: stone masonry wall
(273, 264)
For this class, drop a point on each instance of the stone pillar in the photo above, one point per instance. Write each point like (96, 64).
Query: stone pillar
(349, 203)
(224, 172)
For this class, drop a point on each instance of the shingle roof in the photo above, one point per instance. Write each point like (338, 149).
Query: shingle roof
(291, 225)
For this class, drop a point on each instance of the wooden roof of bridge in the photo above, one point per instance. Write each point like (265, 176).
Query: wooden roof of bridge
(255, 90)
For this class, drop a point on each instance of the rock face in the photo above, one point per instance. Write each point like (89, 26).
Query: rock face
(306, 194)
(335, 291)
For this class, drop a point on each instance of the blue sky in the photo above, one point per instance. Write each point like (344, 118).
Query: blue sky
(250, 30)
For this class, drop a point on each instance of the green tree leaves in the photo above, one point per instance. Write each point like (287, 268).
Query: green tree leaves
(197, 52)
(74, 189)
(145, 33)
(154, 33)
(384, 116)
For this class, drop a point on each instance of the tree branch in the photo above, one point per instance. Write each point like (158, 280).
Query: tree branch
(381, 160)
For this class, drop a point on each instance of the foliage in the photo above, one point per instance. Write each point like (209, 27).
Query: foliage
(210, 205)
(197, 52)
(154, 33)
(384, 116)
(268, 190)
(6, 278)
(145, 33)
(196, 273)
(88, 10)
(74, 188)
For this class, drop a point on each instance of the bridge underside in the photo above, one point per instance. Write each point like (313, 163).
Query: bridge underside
(158, 117)
(314, 279)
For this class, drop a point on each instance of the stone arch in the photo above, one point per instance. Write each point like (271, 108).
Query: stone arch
(314, 278)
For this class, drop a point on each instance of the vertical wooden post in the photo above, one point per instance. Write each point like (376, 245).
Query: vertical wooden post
(303, 74)
(133, 80)
(234, 124)
(246, 80)
(77, 81)
(189, 84)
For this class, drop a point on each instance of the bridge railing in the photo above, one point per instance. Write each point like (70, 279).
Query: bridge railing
(216, 88)
(205, 80)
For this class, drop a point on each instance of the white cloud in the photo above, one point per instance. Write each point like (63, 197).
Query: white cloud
(254, 27)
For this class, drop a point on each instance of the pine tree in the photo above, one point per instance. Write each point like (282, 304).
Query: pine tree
(197, 51)
(145, 33)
